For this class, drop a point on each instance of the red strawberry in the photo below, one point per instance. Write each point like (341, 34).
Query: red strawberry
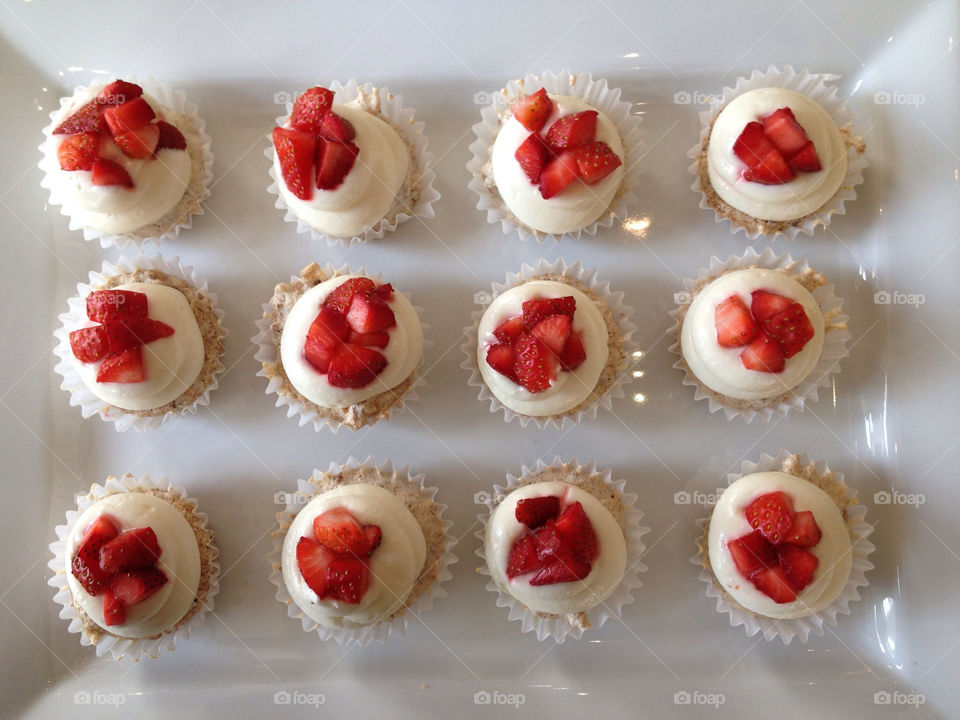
(573, 353)
(783, 130)
(126, 367)
(78, 152)
(131, 550)
(367, 315)
(103, 305)
(572, 131)
(533, 154)
(118, 336)
(533, 110)
(577, 533)
(170, 137)
(534, 512)
(509, 330)
(89, 344)
(139, 143)
(595, 161)
(137, 585)
(114, 609)
(371, 339)
(540, 308)
(384, 293)
(558, 174)
(329, 323)
(534, 365)
(88, 118)
(549, 543)
(374, 536)
(340, 532)
(85, 564)
(146, 330)
(805, 159)
(764, 163)
(772, 582)
(312, 561)
(324, 338)
(355, 366)
(132, 115)
(765, 304)
(296, 151)
(309, 109)
(565, 569)
(334, 127)
(523, 557)
(804, 532)
(339, 299)
(118, 92)
(334, 162)
(347, 579)
(319, 353)
(735, 327)
(553, 332)
(107, 172)
(791, 329)
(502, 359)
(752, 552)
(763, 355)
(772, 515)
(798, 566)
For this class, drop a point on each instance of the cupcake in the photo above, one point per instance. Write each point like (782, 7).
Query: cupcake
(135, 566)
(551, 345)
(127, 163)
(141, 343)
(350, 164)
(555, 155)
(759, 334)
(342, 349)
(777, 154)
(357, 547)
(562, 547)
(784, 549)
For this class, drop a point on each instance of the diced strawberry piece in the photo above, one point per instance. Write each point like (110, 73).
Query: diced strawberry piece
(334, 162)
(534, 512)
(372, 339)
(107, 172)
(577, 534)
(783, 130)
(334, 127)
(533, 154)
(804, 532)
(88, 118)
(595, 161)
(89, 344)
(347, 579)
(146, 330)
(355, 366)
(137, 585)
(553, 332)
(320, 352)
(119, 337)
(340, 297)
(85, 564)
(384, 293)
(558, 174)
(798, 566)
(132, 115)
(523, 557)
(131, 550)
(502, 358)
(114, 609)
(791, 329)
(374, 536)
(735, 326)
(549, 543)
(78, 152)
(752, 552)
(368, 315)
(104, 305)
(126, 367)
(763, 355)
(534, 365)
(295, 151)
(764, 305)
(309, 109)
(772, 582)
(312, 561)
(573, 354)
(572, 131)
(764, 162)
(340, 532)
(328, 331)
(170, 137)
(566, 569)
(139, 143)
(541, 308)
(118, 92)
(509, 330)
(533, 110)
(772, 171)
(805, 159)
(329, 323)
(772, 515)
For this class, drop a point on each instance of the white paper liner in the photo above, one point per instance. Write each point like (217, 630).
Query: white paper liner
(815, 86)
(80, 394)
(170, 99)
(391, 108)
(266, 352)
(799, 628)
(118, 647)
(558, 627)
(614, 301)
(382, 631)
(834, 341)
(581, 85)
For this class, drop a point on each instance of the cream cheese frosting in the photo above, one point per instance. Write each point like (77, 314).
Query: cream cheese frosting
(403, 352)
(394, 566)
(608, 568)
(179, 561)
(719, 368)
(579, 204)
(808, 191)
(834, 551)
(570, 388)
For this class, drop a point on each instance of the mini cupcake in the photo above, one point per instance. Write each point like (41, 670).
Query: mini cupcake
(141, 343)
(555, 155)
(758, 334)
(340, 349)
(784, 550)
(777, 154)
(127, 163)
(357, 548)
(562, 546)
(350, 164)
(135, 567)
(551, 346)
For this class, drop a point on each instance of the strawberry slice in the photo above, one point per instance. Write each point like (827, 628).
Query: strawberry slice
(374, 536)
(573, 354)
(78, 152)
(798, 566)
(805, 159)
(772, 515)
(540, 308)
(772, 582)
(309, 109)
(383, 293)
(561, 570)
(533, 110)
(295, 151)
(763, 355)
(170, 137)
(735, 327)
(502, 359)
(139, 143)
(89, 344)
(114, 609)
(107, 172)
(137, 585)
(509, 330)
(577, 534)
(534, 365)
(558, 174)
(368, 315)
(595, 161)
(764, 162)
(340, 532)
(533, 154)
(553, 332)
(88, 118)
(783, 130)
(131, 550)
(334, 162)
(791, 329)
(334, 127)
(125, 367)
(320, 352)
(804, 532)
(85, 564)
(752, 552)
(132, 115)
(523, 557)
(355, 366)
(104, 305)
(341, 296)
(572, 131)
(312, 561)
(146, 330)
(534, 512)
(119, 92)
(371, 339)
(118, 336)
(765, 304)
(347, 579)
(324, 338)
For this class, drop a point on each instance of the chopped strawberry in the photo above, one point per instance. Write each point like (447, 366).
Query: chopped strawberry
(752, 552)
(78, 152)
(114, 609)
(107, 172)
(535, 366)
(146, 330)
(85, 564)
(765, 304)
(296, 151)
(558, 174)
(88, 118)
(534, 512)
(340, 532)
(763, 355)
(103, 305)
(119, 337)
(329, 323)
(509, 330)
(334, 162)
(804, 532)
(553, 332)
(783, 130)
(577, 533)
(125, 367)
(540, 308)
(118, 92)
(312, 561)
(772, 515)
(805, 159)
(347, 579)
(772, 582)
(764, 163)
(89, 344)
(170, 137)
(565, 569)
(572, 131)
(368, 315)
(334, 127)
(320, 352)
(309, 109)
(371, 339)
(502, 359)
(139, 143)
(549, 542)
(798, 566)
(355, 366)
(340, 297)
(324, 338)
(137, 585)
(573, 353)
(523, 557)
(132, 115)
(595, 161)
(735, 327)
(533, 154)
(131, 550)
(384, 293)
(374, 536)
(533, 110)
(791, 329)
